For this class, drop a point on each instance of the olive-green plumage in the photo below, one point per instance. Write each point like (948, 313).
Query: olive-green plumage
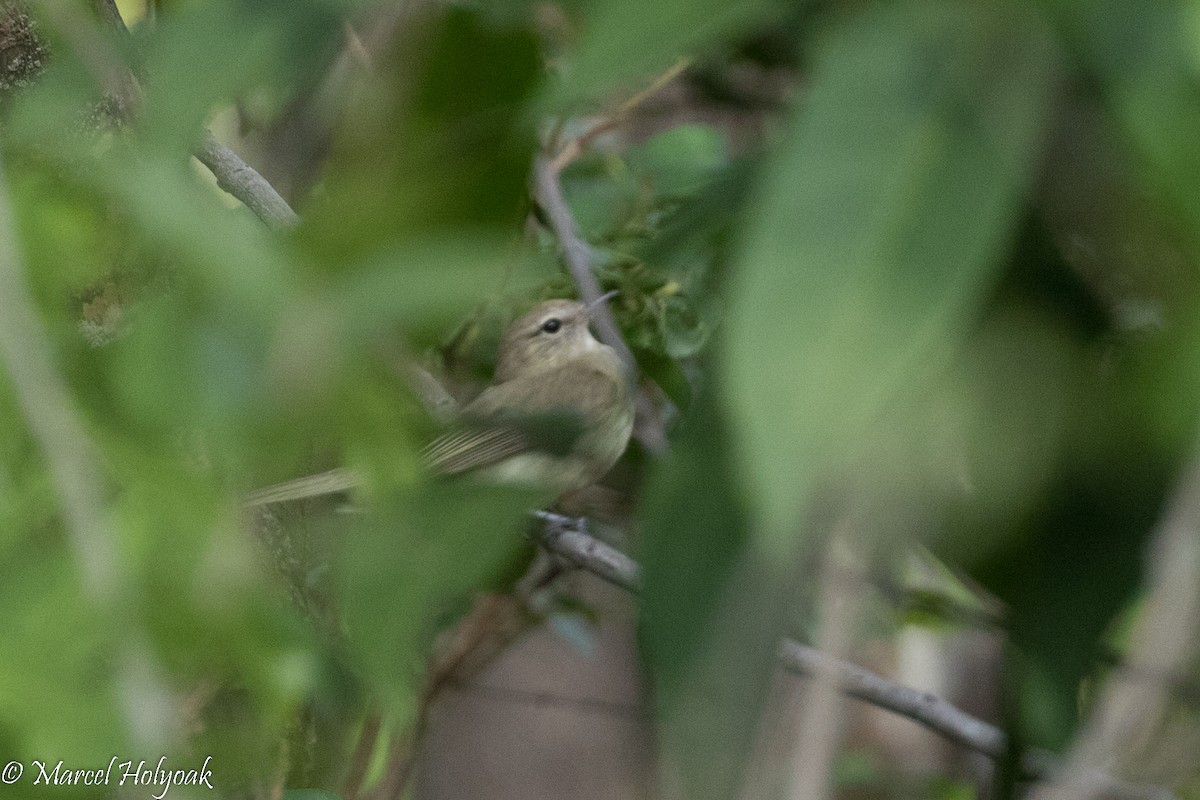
(550, 369)
(558, 414)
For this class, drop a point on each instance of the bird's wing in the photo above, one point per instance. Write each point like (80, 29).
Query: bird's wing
(472, 448)
(577, 386)
(545, 413)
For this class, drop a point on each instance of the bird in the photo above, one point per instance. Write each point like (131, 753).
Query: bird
(558, 414)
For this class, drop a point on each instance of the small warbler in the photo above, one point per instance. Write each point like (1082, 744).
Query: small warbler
(557, 415)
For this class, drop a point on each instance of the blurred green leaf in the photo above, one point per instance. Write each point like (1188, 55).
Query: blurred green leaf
(878, 231)
(204, 55)
(1147, 67)
(61, 660)
(681, 160)
(682, 330)
(629, 40)
(437, 140)
(705, 633)
(410, 566)
(604, 197)
(425, 284)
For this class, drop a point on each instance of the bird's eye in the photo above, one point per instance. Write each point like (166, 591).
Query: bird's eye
(552, 325)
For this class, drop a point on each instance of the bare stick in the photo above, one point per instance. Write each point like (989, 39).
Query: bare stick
(564, 537)
(232, 173)
(817, 728)
(926, 708)
(242, 181)
(579, 262)
(574, 148)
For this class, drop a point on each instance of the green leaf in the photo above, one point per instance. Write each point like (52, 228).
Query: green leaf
(680, 160)
(202, 56)
(628, 39)
(62, 665)
(877, 232)
(1146, 64)
(683, 332)
(411, 565)
(437, 140)
(427, 283)
(709, 623)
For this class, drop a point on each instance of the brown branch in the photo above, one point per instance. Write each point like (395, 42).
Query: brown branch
(232, 173)
(576, 252)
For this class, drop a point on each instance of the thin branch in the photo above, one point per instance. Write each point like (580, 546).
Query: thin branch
(430, 392)
(242, 181)
(574, 148)
(578, 256)
(566, 538)
(232, 173)
(818, 726)
(925, 708)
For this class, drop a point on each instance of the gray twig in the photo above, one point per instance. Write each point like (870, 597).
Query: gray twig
(566, 538)
(242, 181)
(926, 708)
(232, 173)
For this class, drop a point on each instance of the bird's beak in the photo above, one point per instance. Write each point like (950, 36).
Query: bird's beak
(601, 300)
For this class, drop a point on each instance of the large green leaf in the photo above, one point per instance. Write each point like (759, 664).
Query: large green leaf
(877, 231)
(872, 243)
(628, 39)
(706, 643)
(410, 566)
(436, 140)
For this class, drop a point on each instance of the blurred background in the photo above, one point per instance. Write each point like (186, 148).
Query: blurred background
(912, 291)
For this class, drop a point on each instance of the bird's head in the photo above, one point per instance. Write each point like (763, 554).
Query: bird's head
(550, 334)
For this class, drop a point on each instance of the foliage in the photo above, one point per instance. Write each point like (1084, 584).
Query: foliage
(928, 266)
